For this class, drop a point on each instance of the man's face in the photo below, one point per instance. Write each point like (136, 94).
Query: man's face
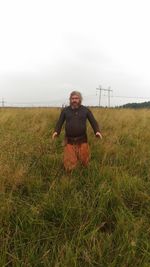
(75, 101)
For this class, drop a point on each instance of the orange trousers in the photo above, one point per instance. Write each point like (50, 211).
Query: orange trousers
(74, 153)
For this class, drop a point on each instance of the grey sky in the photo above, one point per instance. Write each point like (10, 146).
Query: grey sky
(49, 48)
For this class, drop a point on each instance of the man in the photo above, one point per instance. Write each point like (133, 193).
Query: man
(76, 146)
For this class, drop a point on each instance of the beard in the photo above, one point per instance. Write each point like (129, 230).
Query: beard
(75, 104)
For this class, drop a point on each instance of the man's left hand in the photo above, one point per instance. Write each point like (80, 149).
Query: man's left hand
(98, 134)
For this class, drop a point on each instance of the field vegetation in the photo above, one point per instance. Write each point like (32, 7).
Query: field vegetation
(95, 216)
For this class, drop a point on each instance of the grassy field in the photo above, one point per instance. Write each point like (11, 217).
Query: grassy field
(99, 216)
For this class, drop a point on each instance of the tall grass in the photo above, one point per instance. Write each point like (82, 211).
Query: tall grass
(99, 216)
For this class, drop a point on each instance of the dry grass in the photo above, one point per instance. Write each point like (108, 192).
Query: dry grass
(99, 216)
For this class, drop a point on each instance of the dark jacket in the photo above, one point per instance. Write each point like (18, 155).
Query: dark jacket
(75, 127)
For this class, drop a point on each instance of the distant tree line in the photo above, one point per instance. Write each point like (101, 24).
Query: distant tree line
(137, 105)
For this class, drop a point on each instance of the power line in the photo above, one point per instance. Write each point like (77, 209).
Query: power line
(117, 96)
(60, 101)
(130, 97)
(39, 102)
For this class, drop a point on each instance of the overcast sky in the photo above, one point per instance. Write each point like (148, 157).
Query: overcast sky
(49, 48)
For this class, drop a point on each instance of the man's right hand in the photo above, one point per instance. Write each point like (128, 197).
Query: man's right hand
(98, 134)
(54, 135)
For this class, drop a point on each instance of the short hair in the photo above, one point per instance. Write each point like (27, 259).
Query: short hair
(76, 93)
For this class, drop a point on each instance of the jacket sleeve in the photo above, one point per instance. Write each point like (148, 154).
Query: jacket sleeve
(93, 122)
(60, 122)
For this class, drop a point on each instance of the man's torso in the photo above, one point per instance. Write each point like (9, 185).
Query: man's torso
(75, 126)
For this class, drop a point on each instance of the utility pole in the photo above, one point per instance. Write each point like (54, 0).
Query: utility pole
(100, 90)
(107, 90)
(3, 103)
